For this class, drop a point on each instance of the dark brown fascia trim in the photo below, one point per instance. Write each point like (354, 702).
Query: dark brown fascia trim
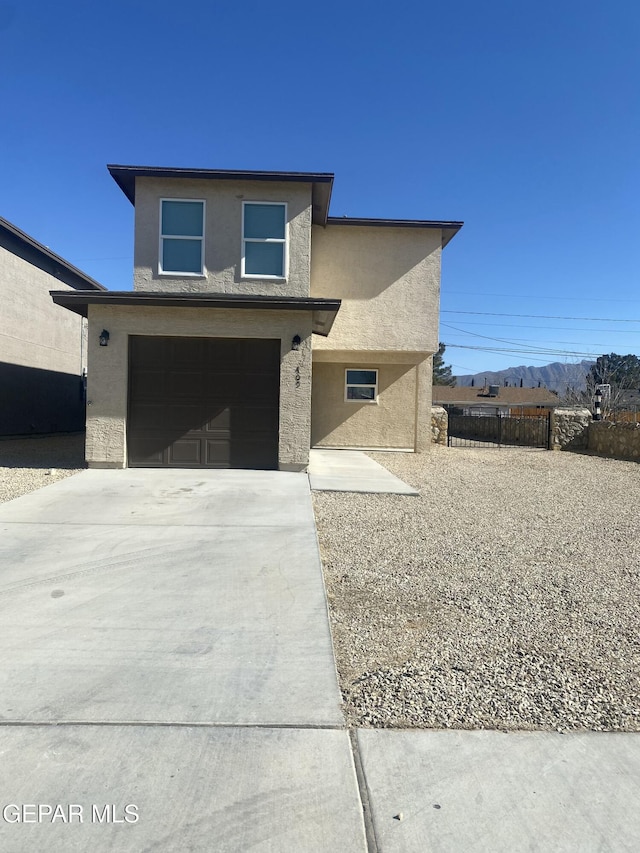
(324, 310)
(66, 272)
(449, 229)
(125, 177)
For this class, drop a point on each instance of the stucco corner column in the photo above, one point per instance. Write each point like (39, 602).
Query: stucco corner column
(424, 378)
(106, 392)
(295, 400)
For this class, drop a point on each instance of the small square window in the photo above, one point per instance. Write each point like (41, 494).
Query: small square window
(264, 239)
(361, 386)
(181, 236)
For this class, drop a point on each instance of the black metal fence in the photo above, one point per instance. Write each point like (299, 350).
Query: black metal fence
(498, 430)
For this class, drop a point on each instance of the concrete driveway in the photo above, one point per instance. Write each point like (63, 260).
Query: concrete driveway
(167, 684)
(165, 646)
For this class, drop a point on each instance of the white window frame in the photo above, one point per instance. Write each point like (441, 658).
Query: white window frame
(283, 241)
(162, 237)
(348, 385)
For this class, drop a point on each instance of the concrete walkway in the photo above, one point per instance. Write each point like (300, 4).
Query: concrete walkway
(165, 645)
(494, 792)
(352, 471)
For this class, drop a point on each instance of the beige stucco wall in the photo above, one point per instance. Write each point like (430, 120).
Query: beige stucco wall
(107, 391)
(391, 423)
(389, 281)
(34, 332)
(223, 235)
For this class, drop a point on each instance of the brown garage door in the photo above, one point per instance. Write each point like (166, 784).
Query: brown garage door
(203, 402)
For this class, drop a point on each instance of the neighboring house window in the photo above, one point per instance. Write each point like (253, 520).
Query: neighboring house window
(264, 239)
(361, 386)
(181, 236)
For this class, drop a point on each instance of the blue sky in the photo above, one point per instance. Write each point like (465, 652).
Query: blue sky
(522, 119)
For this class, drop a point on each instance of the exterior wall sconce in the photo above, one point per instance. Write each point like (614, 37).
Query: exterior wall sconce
(295, 342)
(104, 338)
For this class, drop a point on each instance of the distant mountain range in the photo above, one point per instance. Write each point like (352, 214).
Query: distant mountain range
(556, 376)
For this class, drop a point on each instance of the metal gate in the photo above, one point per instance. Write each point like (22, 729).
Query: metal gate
(498, 431)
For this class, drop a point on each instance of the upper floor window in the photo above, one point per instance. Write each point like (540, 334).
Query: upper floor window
(181, 236)
(264, 239)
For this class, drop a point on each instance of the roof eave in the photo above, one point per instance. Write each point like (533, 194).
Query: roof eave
(45, 252)
(323, 310)
(322, 182)
(448, 229)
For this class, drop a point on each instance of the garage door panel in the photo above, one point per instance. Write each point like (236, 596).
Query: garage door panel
(225, 351)
(220, 419)
(145, 416)
(259, 388)
(204, 402)
(218, 452)
(252, 454)
(147, 352)
(186, 352)
(254, 419)
(148, 452)
(147, 384)
(174, 421)
(183, 419)
(261, 351)
(185, 451)
(222, 386)
(185, 384)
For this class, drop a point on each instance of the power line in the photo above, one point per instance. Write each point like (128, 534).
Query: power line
(538, 296)
(497, 352)
(462, 367)
(506, 350)
(519, 341)
(526, 341)
(542, 316)
(539, 348)
(547, 328)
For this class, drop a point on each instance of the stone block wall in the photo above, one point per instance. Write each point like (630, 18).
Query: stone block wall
(439, 425)
(610, 439)
(570, 429)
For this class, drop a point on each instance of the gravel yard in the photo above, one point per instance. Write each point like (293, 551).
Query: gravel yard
(506, 596)
(27, 464)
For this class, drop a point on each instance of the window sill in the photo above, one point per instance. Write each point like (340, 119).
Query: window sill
(263, 278)
(163, 274)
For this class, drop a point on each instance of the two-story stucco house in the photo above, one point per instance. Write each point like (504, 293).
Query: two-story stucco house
(43, 348)
(259, 326)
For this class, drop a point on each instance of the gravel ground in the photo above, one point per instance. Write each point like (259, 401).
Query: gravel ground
(505, 596)
(27, 464)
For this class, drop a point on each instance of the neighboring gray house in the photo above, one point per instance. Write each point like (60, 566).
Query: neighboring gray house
(42, 346)
(259, 325)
